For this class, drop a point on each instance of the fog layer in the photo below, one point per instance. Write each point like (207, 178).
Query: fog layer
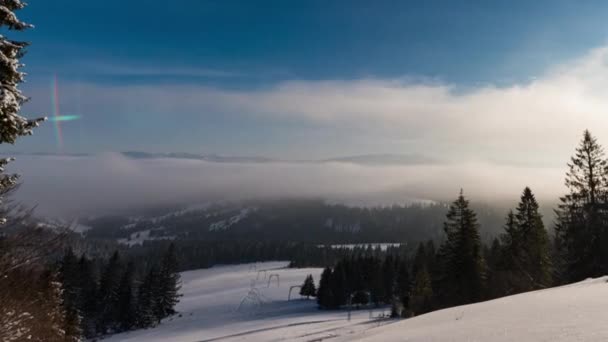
(76, 186)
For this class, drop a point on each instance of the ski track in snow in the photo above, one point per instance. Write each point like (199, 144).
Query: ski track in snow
(208, 310)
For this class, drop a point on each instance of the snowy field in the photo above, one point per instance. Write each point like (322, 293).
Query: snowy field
(211, 308)
(211, 311)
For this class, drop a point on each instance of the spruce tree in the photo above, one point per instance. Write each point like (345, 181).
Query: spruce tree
(13, 124)
(127, 310)
(402, 291)
(388, 278)
(146, 303)
(420, 259)
(324, 293)
(341, 288)
(169, 285)
(461, 256)
(581, 229)
(308, 287)
(108, 295)
(88, 299)
(69, 277)
(534, 242)
(421, 298)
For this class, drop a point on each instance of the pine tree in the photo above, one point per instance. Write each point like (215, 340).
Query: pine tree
(324, 293)
(461, 256)
(402, 291)
(168, 285)
(420, 259)
(497, 283)
(71, 295)
(534, 242)
(308, 288)
(108, 294)
(51, 321)
(421, 299)
(388, 278)
(88, 304)
(339, 285)
(126, 302)
(13, 124)
(69, 277)
(581, 230)
(146, 303)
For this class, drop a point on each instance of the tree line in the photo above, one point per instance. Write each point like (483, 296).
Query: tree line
(110, 296)
(464, 270)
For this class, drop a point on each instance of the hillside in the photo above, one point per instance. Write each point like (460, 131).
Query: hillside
(301, 220)
(210, 311)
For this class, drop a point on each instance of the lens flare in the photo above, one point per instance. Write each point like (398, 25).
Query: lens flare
(57, 118)
(56, 115)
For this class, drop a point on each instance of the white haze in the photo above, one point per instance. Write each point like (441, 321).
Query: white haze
(76, 186)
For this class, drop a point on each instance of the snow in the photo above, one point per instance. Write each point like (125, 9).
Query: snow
(209, 312)
(209, 308)
(576, 312)
(382, 246)
(225, 224)
(139, 237)
(80, 228)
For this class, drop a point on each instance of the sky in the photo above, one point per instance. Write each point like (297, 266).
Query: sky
(315, 79)
(496, 93)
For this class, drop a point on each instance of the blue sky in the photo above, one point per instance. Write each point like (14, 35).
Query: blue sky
(203, 76)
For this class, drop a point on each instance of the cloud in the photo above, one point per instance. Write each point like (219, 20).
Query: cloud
(536, 122)
(74, 186)
(498, 139)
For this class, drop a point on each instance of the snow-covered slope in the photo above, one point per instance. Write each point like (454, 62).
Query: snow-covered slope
(216, 307)
(576, 312)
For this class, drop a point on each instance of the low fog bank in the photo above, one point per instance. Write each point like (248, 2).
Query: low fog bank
(67, 186)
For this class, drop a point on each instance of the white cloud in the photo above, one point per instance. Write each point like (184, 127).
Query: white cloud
(537, 121)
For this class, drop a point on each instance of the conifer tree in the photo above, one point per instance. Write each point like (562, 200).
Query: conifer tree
(388, 278)
(420, 259)
(324, 293)
(108, 294)
(421, 298)
(146, 300)
(402, 291)
(69, 277)
(534, 244)
(581, 229)
(169, 285)
(13, 124)
(339, 288)
(126, 302)
(50, 325)
(308, 287)
(88, 303)
(461, 256)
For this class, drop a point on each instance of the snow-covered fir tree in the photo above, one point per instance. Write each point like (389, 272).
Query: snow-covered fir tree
(12, 124)
(308, 289)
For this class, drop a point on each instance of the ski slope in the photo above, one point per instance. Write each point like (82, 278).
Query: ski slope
(213, 309)
(210, 311)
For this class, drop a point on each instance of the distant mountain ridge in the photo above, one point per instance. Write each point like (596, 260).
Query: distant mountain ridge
(364, 159)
